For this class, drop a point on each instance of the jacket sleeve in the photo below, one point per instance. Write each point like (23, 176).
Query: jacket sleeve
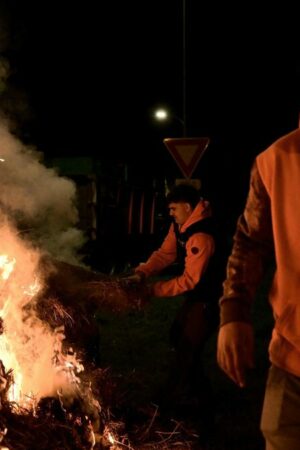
(199, 249)
(252, 249)
(161, 258)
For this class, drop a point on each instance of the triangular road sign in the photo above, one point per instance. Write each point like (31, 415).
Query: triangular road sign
(187, 152)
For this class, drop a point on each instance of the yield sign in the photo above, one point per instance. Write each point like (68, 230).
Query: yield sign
(187, 152)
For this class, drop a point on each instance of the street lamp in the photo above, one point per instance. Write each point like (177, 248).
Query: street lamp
(163, 114)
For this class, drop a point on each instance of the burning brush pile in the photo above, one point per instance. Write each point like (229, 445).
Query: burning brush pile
(46, 399)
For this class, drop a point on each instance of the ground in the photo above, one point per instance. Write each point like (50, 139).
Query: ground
(135, 348)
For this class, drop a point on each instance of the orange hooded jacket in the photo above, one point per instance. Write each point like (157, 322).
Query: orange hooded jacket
(199, 248)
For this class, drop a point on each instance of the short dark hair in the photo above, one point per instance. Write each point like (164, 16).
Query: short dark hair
(185, 193)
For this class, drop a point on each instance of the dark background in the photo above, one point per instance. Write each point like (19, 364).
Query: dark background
(93, 73)
(85, 78)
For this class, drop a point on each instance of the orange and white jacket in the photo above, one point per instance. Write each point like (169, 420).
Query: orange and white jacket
(199, 248)
(270, 226)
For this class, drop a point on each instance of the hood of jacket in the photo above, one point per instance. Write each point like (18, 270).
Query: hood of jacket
(201, 211)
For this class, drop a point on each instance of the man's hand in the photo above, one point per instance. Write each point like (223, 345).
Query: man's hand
(134, 278)
(235, 350)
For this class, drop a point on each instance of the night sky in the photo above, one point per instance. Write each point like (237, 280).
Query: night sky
(91, 75)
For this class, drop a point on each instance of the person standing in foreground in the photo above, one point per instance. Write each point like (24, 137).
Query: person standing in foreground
(269, 228)
(191, 243)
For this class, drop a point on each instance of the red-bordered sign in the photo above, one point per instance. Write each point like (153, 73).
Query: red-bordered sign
(187, 152)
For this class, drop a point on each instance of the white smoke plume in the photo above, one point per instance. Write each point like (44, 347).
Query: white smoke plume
(38, 214)
(38, 201)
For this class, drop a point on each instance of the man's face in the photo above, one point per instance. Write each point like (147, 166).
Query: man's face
(180, 212)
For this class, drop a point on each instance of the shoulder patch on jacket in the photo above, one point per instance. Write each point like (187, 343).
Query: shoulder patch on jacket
(195, 250)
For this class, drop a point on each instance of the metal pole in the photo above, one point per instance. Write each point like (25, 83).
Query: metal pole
(184, 66)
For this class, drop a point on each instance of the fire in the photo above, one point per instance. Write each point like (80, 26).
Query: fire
(28, 347)
(37, 374)
(6, 266)
(34, 364)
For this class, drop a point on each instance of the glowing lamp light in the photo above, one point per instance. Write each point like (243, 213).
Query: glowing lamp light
(161, 114)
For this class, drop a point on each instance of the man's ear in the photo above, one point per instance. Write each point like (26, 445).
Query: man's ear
(188, 208)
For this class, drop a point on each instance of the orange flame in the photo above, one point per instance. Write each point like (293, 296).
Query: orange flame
(28, 346)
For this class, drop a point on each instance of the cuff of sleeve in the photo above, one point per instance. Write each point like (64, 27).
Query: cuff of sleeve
(232, 310)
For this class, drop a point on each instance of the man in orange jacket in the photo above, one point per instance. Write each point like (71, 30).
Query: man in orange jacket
(269, 227)
(190, 242)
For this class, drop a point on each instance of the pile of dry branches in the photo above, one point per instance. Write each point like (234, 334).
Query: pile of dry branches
(70, 299)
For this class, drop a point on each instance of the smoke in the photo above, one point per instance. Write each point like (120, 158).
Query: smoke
(40, 203)
(38, 214)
